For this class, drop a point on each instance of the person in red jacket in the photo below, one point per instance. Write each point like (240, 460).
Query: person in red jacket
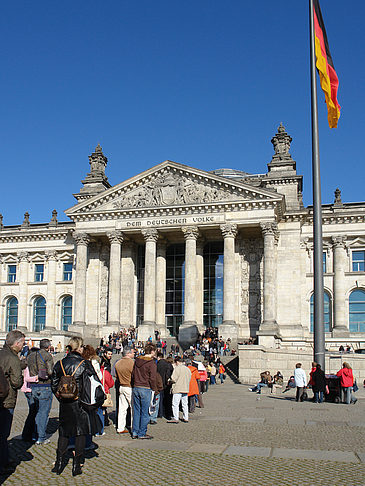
(347, 382)
(108, 382)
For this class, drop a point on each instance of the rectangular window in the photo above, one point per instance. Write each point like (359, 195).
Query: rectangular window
(358, 261)
(11, 273)
(38, 272)
(67, 271)
(324, 262)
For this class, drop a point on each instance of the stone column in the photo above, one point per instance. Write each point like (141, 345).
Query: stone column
(339, 286)
(200, 284)
(51, 291)
(128, 301)
(269, 328)
(82, 241)
(23, 262)
(115, 239)
(191, 234)
(149, 309)
(229, 326)
(161, 288)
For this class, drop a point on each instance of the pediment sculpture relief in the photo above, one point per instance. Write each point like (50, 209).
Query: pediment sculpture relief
(173, 189)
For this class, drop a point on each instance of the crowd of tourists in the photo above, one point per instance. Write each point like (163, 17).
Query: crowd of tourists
(339, 387)
(148, 385)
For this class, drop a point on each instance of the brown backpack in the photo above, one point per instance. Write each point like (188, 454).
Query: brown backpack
(67, 389)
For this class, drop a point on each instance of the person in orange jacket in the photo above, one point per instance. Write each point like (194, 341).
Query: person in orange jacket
(221, 373)
(193, 386)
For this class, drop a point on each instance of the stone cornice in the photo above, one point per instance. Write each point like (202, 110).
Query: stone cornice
(30, 236)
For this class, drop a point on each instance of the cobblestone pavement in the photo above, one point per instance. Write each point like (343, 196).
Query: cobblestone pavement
(235, 440)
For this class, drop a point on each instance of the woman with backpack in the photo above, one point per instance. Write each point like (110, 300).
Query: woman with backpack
(67, 386)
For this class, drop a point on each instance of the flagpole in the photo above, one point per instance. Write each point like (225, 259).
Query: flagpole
(319, 340)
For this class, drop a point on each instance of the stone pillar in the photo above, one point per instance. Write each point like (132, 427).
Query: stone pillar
(191, 234)
(82, 241)
(115, 239)
(51, 291)
(269, 328)
(23, 262)
(339, 286)
(161, 288)
(199, 299)
(229, 327)
(147, 328)
(128, 296)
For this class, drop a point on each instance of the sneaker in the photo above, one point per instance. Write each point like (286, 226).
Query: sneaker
(250, 389)
(99, 435)
(153, 422)
(43, 442)
(134, 436)
(172, 421)
(146, 437)
(125, 431)
(183, 420)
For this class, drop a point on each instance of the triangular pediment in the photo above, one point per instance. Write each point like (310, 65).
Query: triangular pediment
(170, 184)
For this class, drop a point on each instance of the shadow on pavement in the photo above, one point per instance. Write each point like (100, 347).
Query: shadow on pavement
(19, 452)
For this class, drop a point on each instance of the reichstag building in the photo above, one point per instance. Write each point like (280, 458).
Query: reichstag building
(175, 246)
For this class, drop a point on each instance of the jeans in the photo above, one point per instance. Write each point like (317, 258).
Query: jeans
(153, 416)
(176, 399)
(141, 399)
(28, 433)
(258, 387)
(221, 376)
(6, 419)
(212, 379)
(42, 396)
(125, 401)
(348, 396)
(100, 414)
(318, 394)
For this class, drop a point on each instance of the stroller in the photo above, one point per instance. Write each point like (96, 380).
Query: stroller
(334, 389)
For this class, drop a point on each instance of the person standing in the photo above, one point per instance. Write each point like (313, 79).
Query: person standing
(193, 386)
(123, 370)
(347, 382)
(74, 420)
(40, 363)
(144, 384)
(300, 381)
(318, 384)
(221, 372)
(180, 379)
(29, 425)
(12, 368)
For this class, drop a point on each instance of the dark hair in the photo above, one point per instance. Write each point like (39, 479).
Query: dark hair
(13, 336)
(298, 365)
(44, 343)
(177, 359)
(159, 354)
(318, 366)
(88, 352)
(149, 348)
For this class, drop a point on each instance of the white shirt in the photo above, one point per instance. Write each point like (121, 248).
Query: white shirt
(299, 377)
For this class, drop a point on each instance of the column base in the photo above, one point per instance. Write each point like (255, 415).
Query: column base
(145, 330)
(228, 329)
(268, 334)
(340, 332)
(188, 334)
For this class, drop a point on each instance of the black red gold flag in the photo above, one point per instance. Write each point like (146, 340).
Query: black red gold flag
(326, 70)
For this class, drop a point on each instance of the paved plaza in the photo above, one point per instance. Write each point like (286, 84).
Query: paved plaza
(237, 439)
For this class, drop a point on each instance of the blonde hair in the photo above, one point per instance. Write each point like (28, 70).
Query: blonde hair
(346, 365)
(75, 343)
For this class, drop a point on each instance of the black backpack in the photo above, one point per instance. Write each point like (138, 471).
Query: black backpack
(4, 384)
(67, 389)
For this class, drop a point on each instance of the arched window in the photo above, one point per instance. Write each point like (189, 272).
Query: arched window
(327, 312)
(11, 314)
(357, 311)
(66, 313)
(39, 314)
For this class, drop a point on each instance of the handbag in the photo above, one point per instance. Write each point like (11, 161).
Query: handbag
(42, 372)
(108, 402)
(355, 387)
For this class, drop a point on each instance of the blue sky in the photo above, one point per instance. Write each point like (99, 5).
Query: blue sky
(204, 83)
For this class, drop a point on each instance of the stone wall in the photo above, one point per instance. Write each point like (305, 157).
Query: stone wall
(255, 359)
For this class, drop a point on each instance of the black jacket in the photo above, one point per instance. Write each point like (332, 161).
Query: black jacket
(74, 419)
(319, 381)
(165, 369)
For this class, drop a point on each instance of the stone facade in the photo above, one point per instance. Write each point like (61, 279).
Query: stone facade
(117, 239)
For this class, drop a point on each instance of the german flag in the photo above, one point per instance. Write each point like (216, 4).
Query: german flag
(326, 70)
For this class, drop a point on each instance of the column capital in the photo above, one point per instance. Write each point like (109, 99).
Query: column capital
(338, 241)
(229, 230)
(269, 228)
(115, 236)
(190, 232)
(23, 256)
(50, 255)
(150, 235)
(81, 238)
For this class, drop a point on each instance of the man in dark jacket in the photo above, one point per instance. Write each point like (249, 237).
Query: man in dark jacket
(11, 365)
(144, 385)
(40, 363)
(165, 369)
